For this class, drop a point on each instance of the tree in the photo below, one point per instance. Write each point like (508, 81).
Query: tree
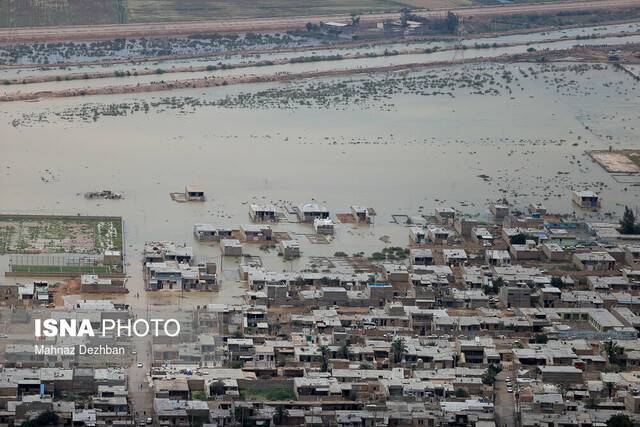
(519, 239)
(628, 222)
(541, 339)
(279, 417)
(611, 350)
(404, 17)
(460, 392)
(557, 282)
(324, 353)
(355, 20)
(489, 377)
(452, 22)
(48, 418)
(619, 420)
(398, 349)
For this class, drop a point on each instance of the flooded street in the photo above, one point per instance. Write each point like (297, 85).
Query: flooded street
(404, 153)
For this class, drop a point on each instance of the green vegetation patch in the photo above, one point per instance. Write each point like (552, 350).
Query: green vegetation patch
(26, 234)
(70, 269)
(269, 394)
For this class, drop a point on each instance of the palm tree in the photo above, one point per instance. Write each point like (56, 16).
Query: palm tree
(324, 352)
(611, 350)
(398, 349)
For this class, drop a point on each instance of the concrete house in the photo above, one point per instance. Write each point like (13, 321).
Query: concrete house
(586, 199)
(482, 236)
(204, 232)
(289, 249)
(263, 213)
(528, 251)
(194, 193)
(438, 235)
(311, 211)
(632, 256)
(454, 257)
(417, 235)
(256, 232)
(500, 258)
(323, 226)
(231, 247)
(362, 215)
(594, 261)
(445, 215)
(421, 256)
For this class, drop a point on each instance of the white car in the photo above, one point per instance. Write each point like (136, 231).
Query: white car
(140, 365)
(509, 389)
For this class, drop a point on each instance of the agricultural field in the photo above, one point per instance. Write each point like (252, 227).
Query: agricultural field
(57, 234)
(175, 10)
(35, 13)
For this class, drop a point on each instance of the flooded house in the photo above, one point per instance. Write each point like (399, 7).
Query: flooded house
(417, 235)
(256, 233)
(171, 275)
(311, 211)
(204, 232)
(263, 213)
(362, 215)
(438, 235)
(167, 251)
(323, 226)
(231, 247)
(586, 199)
(194, 193)
(445, 215)
(208, 233)
(499, 210)
(289, 249)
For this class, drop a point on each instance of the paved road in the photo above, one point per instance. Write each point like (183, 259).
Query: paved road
(140, 394)
(94, 32)
(504, 401)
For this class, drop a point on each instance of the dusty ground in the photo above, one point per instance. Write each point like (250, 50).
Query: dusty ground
(32, 13)
(220, 23)
(622, 161)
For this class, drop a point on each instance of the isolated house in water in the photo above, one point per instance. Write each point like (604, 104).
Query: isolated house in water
(323, 226)
(586, 199)
(194, 193)
(263, 213)
(310, 211)
(363, 215)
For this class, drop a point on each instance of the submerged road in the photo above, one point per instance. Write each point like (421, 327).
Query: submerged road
(95, 32)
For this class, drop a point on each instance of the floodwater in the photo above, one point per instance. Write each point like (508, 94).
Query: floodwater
(549, 41)
(405, 153)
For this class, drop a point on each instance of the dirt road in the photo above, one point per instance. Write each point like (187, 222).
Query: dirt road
(95, 32)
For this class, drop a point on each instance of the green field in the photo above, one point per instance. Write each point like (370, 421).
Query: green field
(70, 269)
(41, 234)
